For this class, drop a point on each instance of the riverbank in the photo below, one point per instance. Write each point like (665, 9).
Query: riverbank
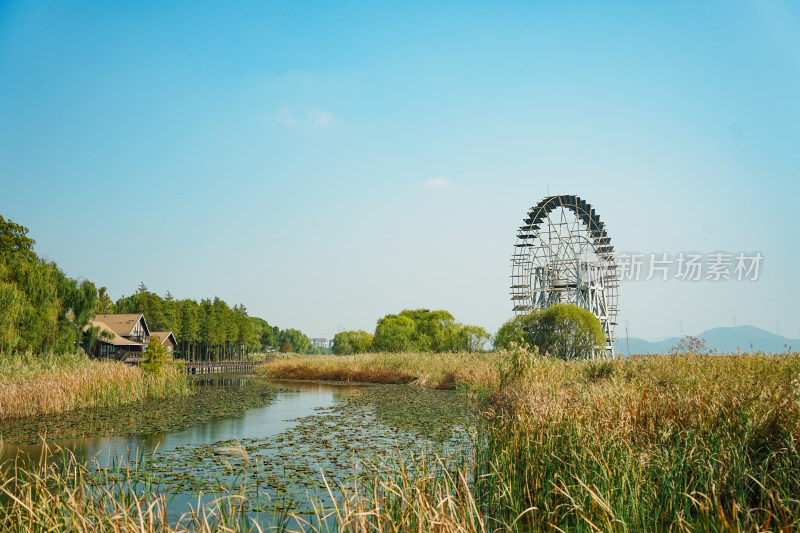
(647, 444)
(33, 385)
(441, 371)
(687, 443)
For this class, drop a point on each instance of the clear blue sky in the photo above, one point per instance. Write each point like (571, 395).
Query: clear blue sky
(326, 163)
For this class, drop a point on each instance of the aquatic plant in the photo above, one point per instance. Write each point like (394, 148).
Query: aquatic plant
(684, 443)
(60, 493)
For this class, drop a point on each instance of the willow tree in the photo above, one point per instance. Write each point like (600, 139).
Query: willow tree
(14, 240)
(565, 331)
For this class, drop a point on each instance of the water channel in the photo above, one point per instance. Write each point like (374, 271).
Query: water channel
(272, 440)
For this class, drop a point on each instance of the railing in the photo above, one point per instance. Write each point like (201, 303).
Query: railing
(210, 367)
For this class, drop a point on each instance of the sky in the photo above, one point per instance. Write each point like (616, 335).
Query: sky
(327, 163)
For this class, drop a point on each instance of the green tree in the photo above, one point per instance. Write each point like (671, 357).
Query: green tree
(469, 338)
(427, 331)
(286, 346)
(42, 309)
(300, 343)
(172, 315)
(510, 333)
(246, 339)
(189, 313)
(14, 240)
(395, 333)
(92, 335)
(352, 342)
(565, 331)
(155, 356)
(104, 304)
(266, 335)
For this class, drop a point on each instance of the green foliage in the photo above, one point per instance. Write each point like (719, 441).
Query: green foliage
(104, 304)
(298, 341)
(395, 334)
(469, 338)
(245, 330)
(41, 309)
(155, 356)
(565, 331)
(91, 336)
(266, 335)
(515, 363)
(14, 240)
(511, 334)
(352, 342)
(422, 330)
(208, 330)
(286, 346)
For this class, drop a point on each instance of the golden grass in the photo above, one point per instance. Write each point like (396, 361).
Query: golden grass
(440, 370)
(408, 493)
(670, 443)
(33, 385)
(67, 495)
(678, 443)
(659, 444)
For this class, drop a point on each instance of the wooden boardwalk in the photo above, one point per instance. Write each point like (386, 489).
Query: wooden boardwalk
(210, 367)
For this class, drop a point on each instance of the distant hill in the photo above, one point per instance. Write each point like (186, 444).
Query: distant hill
(745, 338)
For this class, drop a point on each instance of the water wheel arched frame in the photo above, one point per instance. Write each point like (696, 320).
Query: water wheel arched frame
(564, 254)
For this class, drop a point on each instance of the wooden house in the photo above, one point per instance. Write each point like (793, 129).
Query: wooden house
(129, 334)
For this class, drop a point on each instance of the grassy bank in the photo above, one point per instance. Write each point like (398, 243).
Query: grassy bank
(681, 443)
(40, 384)
(687, 443)
(692, 443)
(443, 371)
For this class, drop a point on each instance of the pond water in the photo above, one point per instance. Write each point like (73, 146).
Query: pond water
(269, 439)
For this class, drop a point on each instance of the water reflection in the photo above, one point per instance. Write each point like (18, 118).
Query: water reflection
(293, 401)
(306, 428)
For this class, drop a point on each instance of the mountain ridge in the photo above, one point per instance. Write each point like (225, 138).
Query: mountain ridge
(722, 339)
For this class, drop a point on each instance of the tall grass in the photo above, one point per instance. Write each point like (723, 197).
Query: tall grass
(40, 384)
(661, 444)
(67, 495)
(406, 493)
(670, 443)
(685, 443)
(440, 370)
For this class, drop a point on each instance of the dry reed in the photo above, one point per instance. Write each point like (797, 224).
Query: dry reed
(60, 493)
(33, 385)
(439, 370)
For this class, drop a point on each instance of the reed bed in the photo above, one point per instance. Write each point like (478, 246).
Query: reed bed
(440, 370)
(678, 443)
(664, 443)
(690, 443)
(405, 493)
(67, 495)
(33, 385)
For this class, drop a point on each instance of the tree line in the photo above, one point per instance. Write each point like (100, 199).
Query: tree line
(43, 310)
(565, 331)
(208, 330)
(417, 330)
